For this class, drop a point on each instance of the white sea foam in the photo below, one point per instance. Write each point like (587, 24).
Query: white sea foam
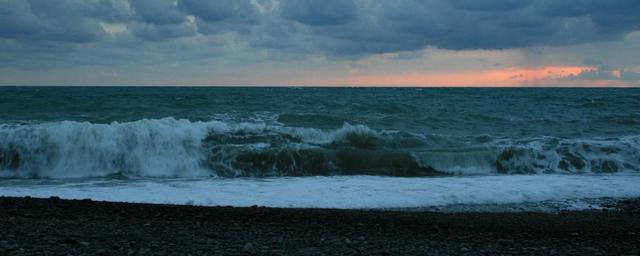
(165, 147)
(154, 148)
(179, 148)
(342, 192)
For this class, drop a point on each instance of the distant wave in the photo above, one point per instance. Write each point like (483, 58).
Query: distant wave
(181, 148)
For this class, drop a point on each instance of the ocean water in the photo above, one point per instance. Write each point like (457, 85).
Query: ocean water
(321, 147)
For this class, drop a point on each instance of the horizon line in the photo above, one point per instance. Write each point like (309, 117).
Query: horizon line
(323, 86)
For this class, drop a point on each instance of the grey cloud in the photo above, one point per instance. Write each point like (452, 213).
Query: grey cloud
(611, 16)
(16, 19)
(158, 11)
(214, 17)
(219, 10)
(630, 76)
(112, 11)
(163, 32)
(37, 20)
(319, 13)
(604, 71)
(335, 28)
(466, 24)
(493, 5)
(408, 55)
(624, 75)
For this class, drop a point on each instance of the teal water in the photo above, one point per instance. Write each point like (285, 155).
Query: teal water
(524, 112)
(59, 132)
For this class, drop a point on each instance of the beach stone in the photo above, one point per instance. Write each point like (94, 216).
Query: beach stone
(505, 242)
(309, 252)
(462, 236)
(8, 246)
(249, 248)
(69, 241)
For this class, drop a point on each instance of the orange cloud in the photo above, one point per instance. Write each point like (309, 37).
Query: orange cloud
(493, 77)
(616, 73)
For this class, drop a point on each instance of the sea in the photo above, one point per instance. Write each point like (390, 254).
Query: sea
(460, 149)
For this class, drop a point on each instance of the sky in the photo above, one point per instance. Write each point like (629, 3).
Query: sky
(320, 42)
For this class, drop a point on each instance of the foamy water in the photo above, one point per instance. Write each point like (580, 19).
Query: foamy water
(381, 148)
(179, 148)
(353, 192)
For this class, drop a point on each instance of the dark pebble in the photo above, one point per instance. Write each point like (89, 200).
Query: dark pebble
(67, 227)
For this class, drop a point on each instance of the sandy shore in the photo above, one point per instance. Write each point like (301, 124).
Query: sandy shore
(61, 227)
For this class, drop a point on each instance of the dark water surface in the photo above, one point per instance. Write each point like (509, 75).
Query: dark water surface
(56, 132)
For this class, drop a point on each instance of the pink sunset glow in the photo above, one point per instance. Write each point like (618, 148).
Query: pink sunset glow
(495, 77)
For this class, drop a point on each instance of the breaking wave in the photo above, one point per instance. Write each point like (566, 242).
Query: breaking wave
(181, 148)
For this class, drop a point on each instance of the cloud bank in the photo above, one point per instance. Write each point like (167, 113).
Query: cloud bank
(35, 33)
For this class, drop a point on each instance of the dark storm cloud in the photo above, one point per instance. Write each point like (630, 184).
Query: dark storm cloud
(163, 32)
(218, 10)
(492, 5)
(342, 28)
(609, 16)
(37, 20)
(158, 11)
(213, 17)
(497, 24)
(16, 19)
(109, 10)
(319, 13)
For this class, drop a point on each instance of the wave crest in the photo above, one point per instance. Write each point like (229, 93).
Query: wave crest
(181, 148)
(550, 155)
